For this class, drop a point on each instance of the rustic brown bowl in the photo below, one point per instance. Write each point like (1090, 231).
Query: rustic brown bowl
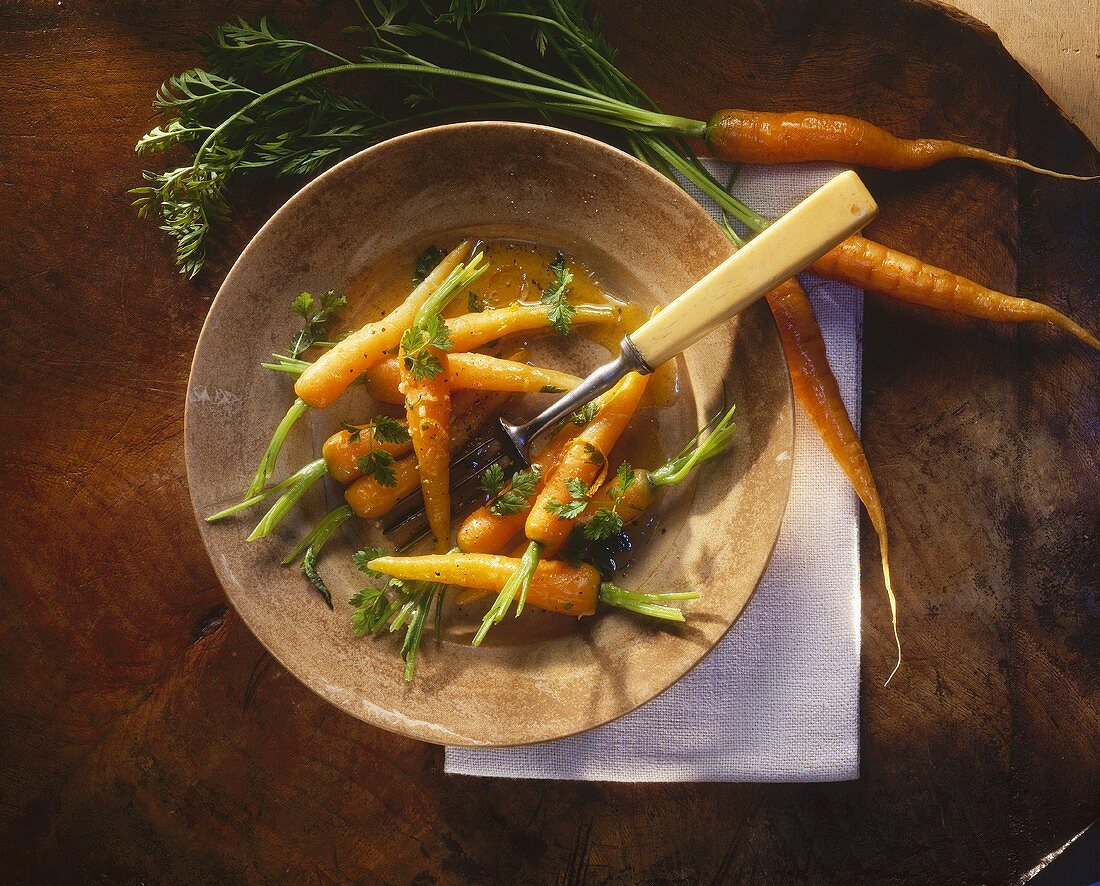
(643, 236)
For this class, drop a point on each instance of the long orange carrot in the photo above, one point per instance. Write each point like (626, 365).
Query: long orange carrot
(871, 265)
(816, 388)
(798, 136)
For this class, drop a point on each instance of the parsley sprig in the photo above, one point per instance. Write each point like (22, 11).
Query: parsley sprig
(395, 604)
(416, 345)
(429, 331)
(607, 522)
(517, 497)
(579, 497)
(378, 464)
(318, 314)
(556, 297)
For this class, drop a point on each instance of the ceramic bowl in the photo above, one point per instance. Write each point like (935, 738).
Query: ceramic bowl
(648, 241)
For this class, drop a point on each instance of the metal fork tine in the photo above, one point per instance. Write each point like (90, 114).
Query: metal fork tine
(464, 496)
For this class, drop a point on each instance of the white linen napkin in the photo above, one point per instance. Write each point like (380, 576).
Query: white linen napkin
(778, 698)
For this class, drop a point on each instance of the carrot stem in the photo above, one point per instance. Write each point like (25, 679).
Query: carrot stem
(304, 478)
(517, 583)
(271, 455)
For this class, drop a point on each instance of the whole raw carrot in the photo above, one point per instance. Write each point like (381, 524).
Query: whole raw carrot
(871, 265)
(798, 136)
(329, 376)
(816, 389)
(474, 371)
(555, 585)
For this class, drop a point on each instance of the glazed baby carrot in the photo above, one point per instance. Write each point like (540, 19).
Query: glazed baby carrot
(562, 500)
(871, 265)
(798, 136)
(474, 330)
(423, 360)
(488, 529)
(819, 395)
(555, 586)
(343, 451)
(428, 404)
(369, 499)
(472, 371)
(329, 376)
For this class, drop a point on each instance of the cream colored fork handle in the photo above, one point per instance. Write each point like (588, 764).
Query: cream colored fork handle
(829, 215)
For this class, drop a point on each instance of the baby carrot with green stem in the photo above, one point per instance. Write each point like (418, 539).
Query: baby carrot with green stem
(552, 585)
(423, 361)
(473, 371)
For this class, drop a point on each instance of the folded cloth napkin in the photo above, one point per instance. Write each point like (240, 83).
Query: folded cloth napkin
(778, 698)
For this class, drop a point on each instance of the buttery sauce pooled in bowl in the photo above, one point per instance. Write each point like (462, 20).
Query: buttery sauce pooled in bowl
(518, 271)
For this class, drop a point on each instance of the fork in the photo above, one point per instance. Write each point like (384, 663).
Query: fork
(798, 239)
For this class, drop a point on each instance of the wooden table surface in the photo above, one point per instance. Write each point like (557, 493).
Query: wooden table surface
(1058, 43)
(145, 735)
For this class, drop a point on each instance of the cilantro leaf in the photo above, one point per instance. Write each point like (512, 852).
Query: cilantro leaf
(363, 557)
(303, 305)
(378, 464)
(427, 262)
(492, 480)
(422, 365)
(439, 336)
(567, 510)
(624, 479)
(474, 304)
(389, 430)
(371, 608)
(556, 297)
(577, 487)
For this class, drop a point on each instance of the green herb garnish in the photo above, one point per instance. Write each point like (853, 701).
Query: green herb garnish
(556, 297)
(318, 314)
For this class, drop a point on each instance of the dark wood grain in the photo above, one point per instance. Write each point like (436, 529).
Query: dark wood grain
(146, 736)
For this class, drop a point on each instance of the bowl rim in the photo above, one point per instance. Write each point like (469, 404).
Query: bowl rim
(404, 726)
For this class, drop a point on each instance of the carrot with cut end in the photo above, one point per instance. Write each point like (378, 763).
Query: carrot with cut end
(329, 376)
(473, 371)
(555, 585)
(743, 136)
(870, 265)
(819, 394)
